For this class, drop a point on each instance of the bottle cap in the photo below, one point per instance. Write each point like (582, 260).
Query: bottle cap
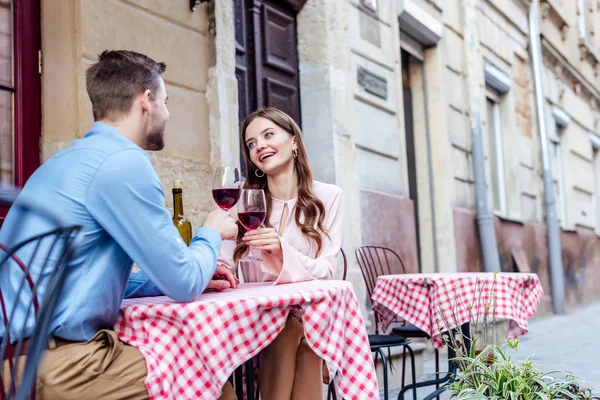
(177, 184)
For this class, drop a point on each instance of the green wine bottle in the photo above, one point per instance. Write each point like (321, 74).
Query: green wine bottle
(182, 224)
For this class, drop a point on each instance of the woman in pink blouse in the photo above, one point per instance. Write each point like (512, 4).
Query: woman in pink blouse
(300, 241)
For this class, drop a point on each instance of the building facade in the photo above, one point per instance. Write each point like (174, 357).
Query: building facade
(386, 92)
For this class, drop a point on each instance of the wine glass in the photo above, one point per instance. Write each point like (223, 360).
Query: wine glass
(252, 211)
(226, 187)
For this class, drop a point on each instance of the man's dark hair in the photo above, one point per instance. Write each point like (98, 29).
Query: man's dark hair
(118, 76)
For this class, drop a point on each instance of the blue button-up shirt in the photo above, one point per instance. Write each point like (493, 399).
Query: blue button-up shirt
(106, 184)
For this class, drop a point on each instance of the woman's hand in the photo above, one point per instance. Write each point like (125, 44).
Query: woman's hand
(265, 239)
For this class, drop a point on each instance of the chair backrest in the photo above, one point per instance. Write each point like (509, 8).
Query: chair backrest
(345, 264)
(331, 392)
(53, 250)
(375, 261)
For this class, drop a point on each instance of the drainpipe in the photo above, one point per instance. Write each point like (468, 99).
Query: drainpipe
(474, 70)
(554, 249)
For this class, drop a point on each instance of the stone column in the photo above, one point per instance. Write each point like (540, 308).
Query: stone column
(326, 92)
(441, 159)
(221, 91)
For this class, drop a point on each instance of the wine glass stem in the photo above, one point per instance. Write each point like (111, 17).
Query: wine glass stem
(252, 256)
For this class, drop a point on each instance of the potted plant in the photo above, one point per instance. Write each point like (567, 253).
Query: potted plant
(486, 371)
(493, 375)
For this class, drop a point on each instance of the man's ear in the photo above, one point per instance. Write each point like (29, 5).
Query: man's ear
(146, 100)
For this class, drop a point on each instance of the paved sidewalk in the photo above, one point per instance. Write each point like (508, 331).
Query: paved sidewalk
(568, 342)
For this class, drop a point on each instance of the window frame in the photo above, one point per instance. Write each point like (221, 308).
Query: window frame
(596, 194)
(26, 89)
(595, 143)
(596, 197)
(494, 97)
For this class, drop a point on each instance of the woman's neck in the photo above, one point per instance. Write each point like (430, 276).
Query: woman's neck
(284, 186)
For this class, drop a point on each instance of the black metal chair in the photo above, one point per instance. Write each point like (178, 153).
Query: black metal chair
(375, 261)
(331, 393)
(378, 343)
(56, 248)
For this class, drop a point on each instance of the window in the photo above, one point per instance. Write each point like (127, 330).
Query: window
(595, 141)
(587, 21)
(497, 84)
(558, 179)
(581, 6)
(20, 102)
(561, 121)
(6, 94)
(596, 166)
(495, 153)
(596, 176)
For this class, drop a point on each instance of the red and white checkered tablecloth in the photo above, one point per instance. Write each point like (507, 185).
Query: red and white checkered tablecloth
(431, 302)
(191, 349)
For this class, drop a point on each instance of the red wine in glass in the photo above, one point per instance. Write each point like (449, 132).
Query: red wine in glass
(252, 211)
(226, 198)
(226, 187)
(252, 219)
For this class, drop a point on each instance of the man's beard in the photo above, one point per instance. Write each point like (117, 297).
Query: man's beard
(155, 140)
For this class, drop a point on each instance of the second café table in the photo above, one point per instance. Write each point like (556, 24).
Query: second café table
(431, 301)
(192, 348)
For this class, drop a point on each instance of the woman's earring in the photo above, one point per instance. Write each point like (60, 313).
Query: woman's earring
(295, 153)
(256, 171)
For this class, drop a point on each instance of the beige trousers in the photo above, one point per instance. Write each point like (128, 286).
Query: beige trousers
(102, 368)
(289, 369)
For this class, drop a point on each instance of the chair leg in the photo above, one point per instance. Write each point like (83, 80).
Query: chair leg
(239, 390)
(413, 373)
(437, 369)
(249, 366)
(257, 392)
(385, 374)
(403, 365)
(331, 394)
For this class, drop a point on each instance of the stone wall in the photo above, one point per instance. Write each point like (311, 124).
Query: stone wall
(387, 214)
(76, 31)
(570, 81)
(523, 248)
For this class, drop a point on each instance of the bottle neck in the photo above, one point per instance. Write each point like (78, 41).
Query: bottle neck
(177, 202)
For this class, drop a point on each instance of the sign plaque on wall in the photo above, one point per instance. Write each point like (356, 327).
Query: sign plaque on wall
(371, 83)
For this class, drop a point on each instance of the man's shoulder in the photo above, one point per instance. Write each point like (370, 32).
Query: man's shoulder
(106, 144)
(126, 163)
(99, 149)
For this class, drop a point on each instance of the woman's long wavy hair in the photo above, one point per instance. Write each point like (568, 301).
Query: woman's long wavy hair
(310, 211)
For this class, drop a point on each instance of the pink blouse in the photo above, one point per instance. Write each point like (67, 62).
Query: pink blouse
(300, 259)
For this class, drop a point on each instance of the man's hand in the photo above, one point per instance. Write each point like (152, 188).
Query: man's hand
(222, 279)
(222, 222)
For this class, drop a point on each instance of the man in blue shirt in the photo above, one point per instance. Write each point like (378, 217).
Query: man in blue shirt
(105, 183)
